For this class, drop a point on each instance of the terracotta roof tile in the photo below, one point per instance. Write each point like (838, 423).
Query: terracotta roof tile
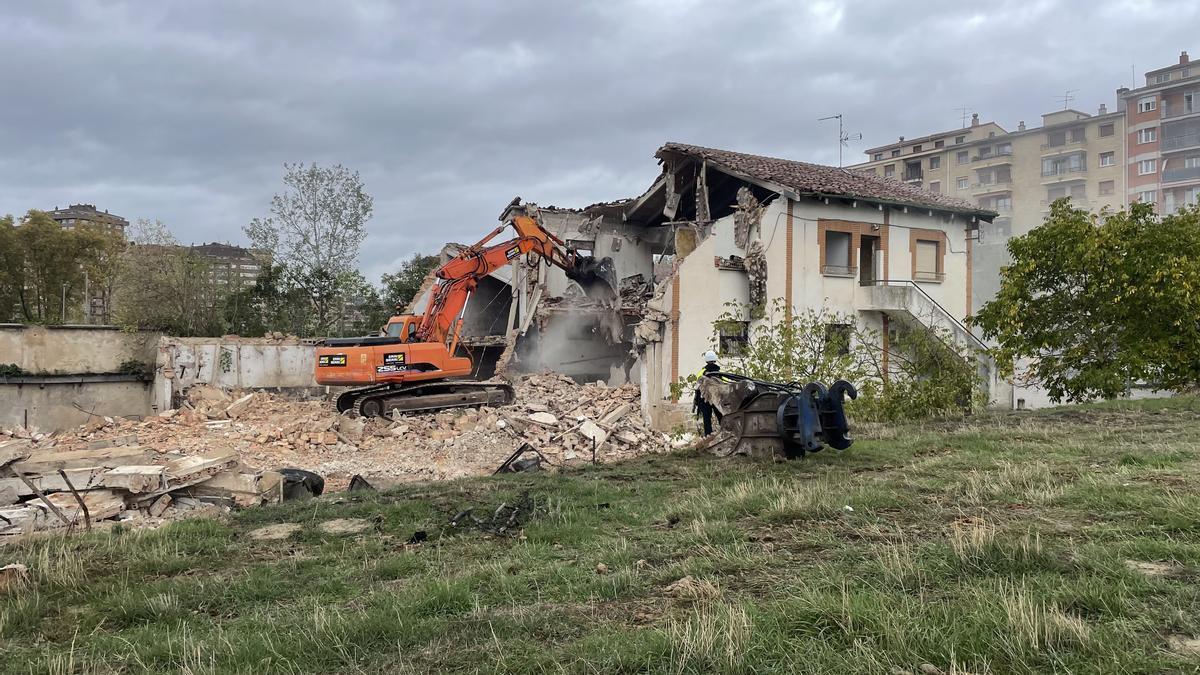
(817, 179)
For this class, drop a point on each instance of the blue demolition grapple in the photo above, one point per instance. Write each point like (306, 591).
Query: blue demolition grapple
(806, 418)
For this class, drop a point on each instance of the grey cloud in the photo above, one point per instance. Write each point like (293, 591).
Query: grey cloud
(186, 111)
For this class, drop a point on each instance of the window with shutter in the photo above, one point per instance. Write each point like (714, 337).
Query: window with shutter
(927, 261)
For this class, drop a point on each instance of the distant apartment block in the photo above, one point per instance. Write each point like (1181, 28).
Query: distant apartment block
(230, 267)
(1162, 162)
(1017, 174)
(79, 215)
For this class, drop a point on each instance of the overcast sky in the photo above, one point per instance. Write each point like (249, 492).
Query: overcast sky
(186, 110)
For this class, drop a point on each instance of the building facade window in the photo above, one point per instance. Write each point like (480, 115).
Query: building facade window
(927, 261)
(839, 254)
(939, 144)
(1108, 158)
(1147, 104)
(896, 153)
(959, 140)
(1106, 130)
(935, 186)
(1147, 196)
(916, 148)
(963, 157)
(963, 182)
(733, 338)
(889, 171)
(1147, 166)
(935, 162)
(878, 156)
(1147, 135)
(1107, 187)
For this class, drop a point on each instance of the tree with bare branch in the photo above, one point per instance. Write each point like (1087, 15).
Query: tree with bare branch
(314, 233)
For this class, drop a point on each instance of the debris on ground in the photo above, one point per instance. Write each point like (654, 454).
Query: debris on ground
(47, 486)
(507, 519)
(222, 449)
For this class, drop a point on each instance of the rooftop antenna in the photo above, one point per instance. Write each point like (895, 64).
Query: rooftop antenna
(1068, 96)
(843, 137)
(964, 112)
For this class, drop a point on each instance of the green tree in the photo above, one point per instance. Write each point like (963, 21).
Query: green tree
(314, 233)
(401, 287)
(1094, 303)
(267, 306)
(924, 376)
(50, 263)
(12, 271)
(164, 286)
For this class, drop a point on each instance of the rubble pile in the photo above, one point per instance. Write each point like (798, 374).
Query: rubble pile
(225, 448)
(45, 485)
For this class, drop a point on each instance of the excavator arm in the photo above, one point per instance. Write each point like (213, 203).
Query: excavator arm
(460, 275)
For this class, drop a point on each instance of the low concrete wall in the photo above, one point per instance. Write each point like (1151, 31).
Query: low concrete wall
(58, 402)
(74, 349)
(231, 363)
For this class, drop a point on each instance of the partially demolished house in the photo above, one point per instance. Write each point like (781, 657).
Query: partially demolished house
(720, 229)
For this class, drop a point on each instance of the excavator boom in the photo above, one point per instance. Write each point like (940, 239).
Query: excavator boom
(414, 366)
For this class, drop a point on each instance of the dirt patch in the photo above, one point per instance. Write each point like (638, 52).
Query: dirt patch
(1188, 645)
(690, 588)
(1152, 569)
(274, 532)
(344, 526)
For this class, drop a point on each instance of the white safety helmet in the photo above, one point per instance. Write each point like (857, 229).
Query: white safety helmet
(710, 356)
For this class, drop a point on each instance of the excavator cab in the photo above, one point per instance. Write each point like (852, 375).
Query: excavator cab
(403, 327)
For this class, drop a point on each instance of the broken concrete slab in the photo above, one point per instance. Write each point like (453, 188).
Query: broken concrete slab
(243, 488)
(544, 419)
(136, 478)
(14, 450)
(101, 504)
(81, 479)
(42, 462)
(592, 431)
(235, 409)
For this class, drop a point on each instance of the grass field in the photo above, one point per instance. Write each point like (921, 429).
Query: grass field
(1065, 541)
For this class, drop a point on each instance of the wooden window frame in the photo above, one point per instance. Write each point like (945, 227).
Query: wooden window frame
(937, 237)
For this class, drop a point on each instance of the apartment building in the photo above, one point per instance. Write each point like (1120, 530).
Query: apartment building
(1017, 174)
(1163, 137)
(231, 267)
(79, 215)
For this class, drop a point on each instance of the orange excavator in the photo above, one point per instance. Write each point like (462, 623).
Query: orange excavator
(414, 365)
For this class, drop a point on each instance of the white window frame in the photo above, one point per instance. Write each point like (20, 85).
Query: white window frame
(1147, 135)
(1147, 167)
(963, 183)
(1111, 158)
(1147, 104)
(1141, 196)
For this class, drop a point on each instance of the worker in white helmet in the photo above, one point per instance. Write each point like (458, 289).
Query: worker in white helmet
(701, 406)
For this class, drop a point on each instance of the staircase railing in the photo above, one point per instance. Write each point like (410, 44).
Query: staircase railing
(908, 282)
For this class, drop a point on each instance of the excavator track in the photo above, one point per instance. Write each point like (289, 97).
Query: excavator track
(381, 400)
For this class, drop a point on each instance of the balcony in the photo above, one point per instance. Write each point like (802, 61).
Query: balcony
(1182, 142)
(913, 176)
(838, 270)
(1067, 144)
(995, 186)
(1185, 173)
(1172, 113)
(1065, 174)
(1005, 156)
